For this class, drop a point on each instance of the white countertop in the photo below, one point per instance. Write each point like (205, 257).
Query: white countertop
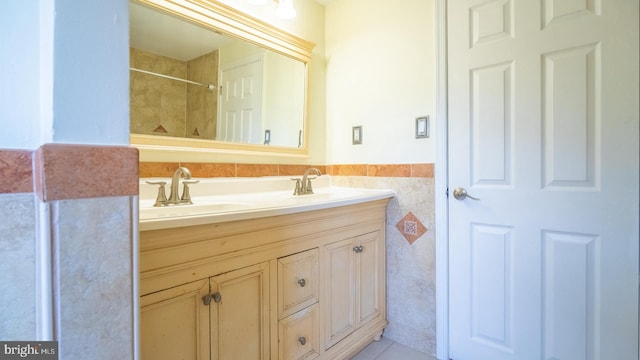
(230, 199)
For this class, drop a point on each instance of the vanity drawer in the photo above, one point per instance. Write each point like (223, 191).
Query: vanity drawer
(299, 335)
(297, 282)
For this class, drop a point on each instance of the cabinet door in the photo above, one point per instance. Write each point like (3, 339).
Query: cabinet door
(339, 286)
(174, 323)
(354, 284)
(370, 277)
(240, 315)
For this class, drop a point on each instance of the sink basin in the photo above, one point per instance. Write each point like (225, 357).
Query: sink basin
(151, 212)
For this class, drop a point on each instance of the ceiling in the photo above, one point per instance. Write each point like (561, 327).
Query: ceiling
(166, 35)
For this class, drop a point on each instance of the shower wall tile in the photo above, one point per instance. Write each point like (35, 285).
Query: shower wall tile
(410, 266)
(155, 100)
(92, 242)
(17, 259)
(202, 103)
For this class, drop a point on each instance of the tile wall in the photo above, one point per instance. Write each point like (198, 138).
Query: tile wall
(17, 260)
(411, 305)
(69, 206)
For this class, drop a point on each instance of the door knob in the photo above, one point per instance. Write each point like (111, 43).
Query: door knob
(461, 194)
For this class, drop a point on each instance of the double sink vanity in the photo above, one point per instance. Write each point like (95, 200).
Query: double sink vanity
(243, 268)
(251, 271)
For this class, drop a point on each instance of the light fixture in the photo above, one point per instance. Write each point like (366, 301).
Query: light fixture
(285, 9)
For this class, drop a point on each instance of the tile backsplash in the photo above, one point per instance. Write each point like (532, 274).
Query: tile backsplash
(166, 169)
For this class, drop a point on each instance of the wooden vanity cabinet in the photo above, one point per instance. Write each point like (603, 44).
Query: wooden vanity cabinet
(307, 285)
(223, 317)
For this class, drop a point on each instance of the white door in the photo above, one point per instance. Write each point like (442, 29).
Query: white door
(241, 102)
(543, 129)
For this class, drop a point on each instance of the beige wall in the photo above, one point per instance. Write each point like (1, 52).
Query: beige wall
(380, 68)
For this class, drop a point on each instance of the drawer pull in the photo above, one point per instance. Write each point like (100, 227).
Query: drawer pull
(358, 249)
(302, 283)
(302, 340)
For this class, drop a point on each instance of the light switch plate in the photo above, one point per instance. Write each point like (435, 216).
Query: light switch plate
(422, 127)
(356, 135)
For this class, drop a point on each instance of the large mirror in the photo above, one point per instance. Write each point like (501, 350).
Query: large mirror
(206, 76)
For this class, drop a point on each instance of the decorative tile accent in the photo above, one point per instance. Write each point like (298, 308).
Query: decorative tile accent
(160, 129)
(348, 170)
(410, 227)
(162, 169)
(400, 170)
(207, 170)
(157, 169)
(298, 170)
(254, 170)
(16, 171)
(422, 170)
(64, 171)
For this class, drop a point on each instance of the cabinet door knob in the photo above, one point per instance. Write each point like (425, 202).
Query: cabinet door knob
(217, 297)
(302, 282)
(302, 340)
(206, 299)
(358, 249)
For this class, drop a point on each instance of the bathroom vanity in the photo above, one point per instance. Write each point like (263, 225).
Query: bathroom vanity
(284, 278)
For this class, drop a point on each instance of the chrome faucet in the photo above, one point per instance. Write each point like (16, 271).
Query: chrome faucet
(303, 186)
(174, 196)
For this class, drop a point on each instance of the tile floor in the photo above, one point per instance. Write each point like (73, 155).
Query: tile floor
(386, 349)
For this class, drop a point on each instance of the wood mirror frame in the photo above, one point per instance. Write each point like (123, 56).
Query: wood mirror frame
(224, 19)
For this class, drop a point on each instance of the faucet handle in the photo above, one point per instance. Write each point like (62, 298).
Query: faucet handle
(309, 187)
(186, 196)
(298, 188)
(161, 199)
